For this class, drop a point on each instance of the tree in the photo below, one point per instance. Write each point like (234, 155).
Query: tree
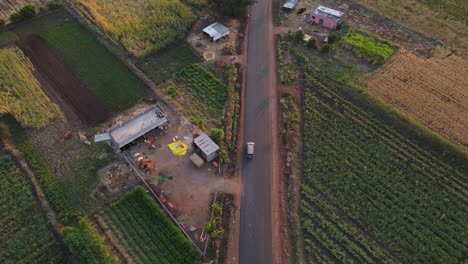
(217, 134)
(312, 43)
(28, 11)
(299, 36)
(332, 38)
(233, 8)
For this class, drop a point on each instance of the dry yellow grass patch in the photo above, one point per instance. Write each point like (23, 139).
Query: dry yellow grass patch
(21, 94)
(434, 91)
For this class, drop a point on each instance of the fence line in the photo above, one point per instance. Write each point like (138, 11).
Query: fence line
(162, 204)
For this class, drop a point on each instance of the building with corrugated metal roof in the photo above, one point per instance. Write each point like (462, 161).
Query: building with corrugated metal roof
(216, 31)
(125, 132)
(208, 149)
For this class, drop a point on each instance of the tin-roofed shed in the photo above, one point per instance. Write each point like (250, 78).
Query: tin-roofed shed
(217, 31)
(208, 148)
(289, 5)
(137, 126)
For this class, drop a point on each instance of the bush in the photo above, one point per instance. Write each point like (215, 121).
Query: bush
(16, 17)
(299, 36)
(26, 12)
(2, 22)
(326, 48)
(171, 90)
(312, 43)
(217, 134)
(332, 38)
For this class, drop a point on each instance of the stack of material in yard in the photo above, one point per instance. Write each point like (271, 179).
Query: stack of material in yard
(196, 160)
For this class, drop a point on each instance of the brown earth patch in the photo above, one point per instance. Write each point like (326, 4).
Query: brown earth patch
(433, 91)
(64, 81)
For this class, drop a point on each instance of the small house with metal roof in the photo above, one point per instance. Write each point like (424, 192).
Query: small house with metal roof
(216, 31)
(207, 148)
(325, 16)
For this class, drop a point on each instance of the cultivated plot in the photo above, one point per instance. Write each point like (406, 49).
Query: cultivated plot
(432, 90)
(145, 232)
(25, 234)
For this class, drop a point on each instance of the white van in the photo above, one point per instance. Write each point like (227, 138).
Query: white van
(250, 150)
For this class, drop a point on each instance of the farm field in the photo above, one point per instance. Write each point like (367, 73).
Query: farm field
(6, 38)
(112, 82)
(90, 110)
(10, 6)
(442, 20)
(66, 169)
(25, 234)
(432, 90)
(140, 26)
(145, 232)
(27, 102)
(196, 84)
(409, 191)
(162, 66)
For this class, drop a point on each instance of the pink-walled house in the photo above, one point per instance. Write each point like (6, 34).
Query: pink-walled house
(326, 17)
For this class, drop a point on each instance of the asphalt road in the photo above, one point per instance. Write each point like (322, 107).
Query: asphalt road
(256, 215)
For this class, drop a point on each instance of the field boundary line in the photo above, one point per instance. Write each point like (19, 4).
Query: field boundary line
(161, 203)
(43, 199)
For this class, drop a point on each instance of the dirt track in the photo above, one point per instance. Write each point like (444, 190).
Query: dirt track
(64, 81)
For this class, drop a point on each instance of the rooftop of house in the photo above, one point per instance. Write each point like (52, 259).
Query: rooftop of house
(328, 12)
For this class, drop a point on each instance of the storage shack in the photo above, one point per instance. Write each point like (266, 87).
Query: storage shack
(206, 147)
(216, 31)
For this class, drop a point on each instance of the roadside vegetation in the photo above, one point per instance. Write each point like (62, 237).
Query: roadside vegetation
(291, 142)
(85, 244)
(26, 235)
(109, 78)
(22, 95)
(146, 232)
(356, 147)
(140, 26)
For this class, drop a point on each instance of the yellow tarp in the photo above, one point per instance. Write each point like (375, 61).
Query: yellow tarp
(178, 148)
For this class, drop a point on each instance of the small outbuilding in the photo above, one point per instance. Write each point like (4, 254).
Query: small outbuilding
(327, 17)
(216, 31)
(289, 5)
(137, 126)
(207, 148)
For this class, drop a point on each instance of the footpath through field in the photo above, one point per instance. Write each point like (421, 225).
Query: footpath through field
(258, 223)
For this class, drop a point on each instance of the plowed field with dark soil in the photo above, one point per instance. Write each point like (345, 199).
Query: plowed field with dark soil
(64, 81)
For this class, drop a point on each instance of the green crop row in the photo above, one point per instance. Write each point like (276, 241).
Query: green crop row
(22, 222)
(86, 245)
(52, 187)
(373, 188)
(146, 232)
(205, 88)
(346, 157)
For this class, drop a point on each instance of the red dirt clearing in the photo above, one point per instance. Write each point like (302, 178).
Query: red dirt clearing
(64, 81)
